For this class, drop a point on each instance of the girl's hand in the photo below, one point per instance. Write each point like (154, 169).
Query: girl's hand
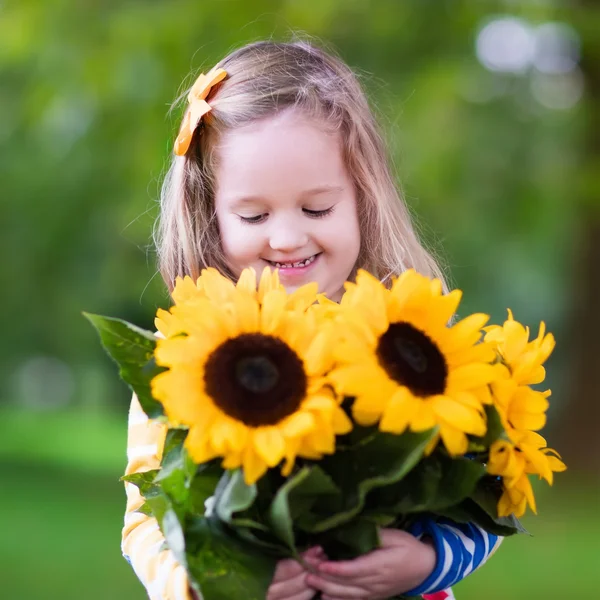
(289, 581)
(402, 563)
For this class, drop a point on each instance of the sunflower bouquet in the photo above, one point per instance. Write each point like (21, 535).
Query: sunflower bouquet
(294, 421)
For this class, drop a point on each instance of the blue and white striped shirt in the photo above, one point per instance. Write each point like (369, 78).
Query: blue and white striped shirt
(460, 548)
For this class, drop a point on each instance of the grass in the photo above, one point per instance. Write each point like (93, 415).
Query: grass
(60, 536)
(62, 503)
(559, 561)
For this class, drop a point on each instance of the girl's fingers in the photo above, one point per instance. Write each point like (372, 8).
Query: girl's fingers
(295, 587)
(334, 588)
(287, 569)
(308, 594)
(315, 551)
(358, 568)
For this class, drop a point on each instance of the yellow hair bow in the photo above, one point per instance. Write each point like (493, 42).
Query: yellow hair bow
(197, 108)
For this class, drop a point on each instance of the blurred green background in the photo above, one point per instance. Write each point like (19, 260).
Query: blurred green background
(491, 111)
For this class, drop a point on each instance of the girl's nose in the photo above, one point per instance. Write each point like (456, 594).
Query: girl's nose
(286, 238)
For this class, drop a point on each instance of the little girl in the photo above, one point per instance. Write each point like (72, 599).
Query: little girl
(278, 162)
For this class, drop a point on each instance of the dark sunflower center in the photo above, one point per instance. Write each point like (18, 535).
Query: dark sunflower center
(254, 378)
(412, 359)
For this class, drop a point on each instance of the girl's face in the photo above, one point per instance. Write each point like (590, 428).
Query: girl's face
(284, 199)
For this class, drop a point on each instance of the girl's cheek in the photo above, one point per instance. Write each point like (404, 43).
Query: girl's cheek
(243, 245)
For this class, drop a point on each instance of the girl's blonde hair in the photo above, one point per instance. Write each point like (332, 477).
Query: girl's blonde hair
(263, 79)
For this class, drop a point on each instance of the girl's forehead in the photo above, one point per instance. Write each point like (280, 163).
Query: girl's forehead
(282, 155)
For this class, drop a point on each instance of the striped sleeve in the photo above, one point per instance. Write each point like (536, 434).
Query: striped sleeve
(460, 548)
(142, 541)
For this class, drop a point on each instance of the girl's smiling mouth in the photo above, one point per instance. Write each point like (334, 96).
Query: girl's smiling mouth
(294, 266)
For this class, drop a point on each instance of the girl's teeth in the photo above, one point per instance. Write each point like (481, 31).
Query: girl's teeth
(302, 263)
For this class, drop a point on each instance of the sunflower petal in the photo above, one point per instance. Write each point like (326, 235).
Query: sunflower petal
(454, 440)
(247, 313)
(341, 423)
(217, 288)
(318, 358)
(269, 444)
(399, 412)
(254, 467)
(198, 446)
(273, 309)
(356, 380)
(424, 417)
(515, 339)
(465, 333)
(247, 281)
(303, 297)
(458, 415)
(481, 353)
(368, 407)
(445, 307)
(269, 281)
(297, 424)
(470, 376)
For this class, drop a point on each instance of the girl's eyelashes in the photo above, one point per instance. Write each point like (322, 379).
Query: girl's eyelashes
(313, 214)
(318, 214)
(255, 219)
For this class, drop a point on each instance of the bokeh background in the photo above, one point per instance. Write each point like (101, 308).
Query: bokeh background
(491, 112)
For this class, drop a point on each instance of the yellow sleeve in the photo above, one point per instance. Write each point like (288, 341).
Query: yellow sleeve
(162, 576)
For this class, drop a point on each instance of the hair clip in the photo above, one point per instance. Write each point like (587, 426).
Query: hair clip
(197, 108)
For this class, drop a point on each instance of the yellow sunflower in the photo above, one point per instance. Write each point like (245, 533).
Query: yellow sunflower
(246, 367)
(404, 364)
(213, 286)
(525, 453)
(520, 407)
(524, 358)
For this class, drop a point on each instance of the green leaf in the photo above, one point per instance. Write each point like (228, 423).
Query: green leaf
(222, 566)
(380, 518)
(174, 439)
(468, 511)
(177, 469)
(494, 431)
(174, 534)
(144, 481)
(132, 349)
(203, 486)
(353, 539)
(295, 497)
(145, 510)
(379, 460)
(437, 482)
(233, 495)
(486, 496)
(161, 507)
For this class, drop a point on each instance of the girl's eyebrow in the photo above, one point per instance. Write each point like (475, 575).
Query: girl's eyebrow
(316, 191)
(323, 189)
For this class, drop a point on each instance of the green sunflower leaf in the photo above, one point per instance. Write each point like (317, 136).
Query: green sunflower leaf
(295, 499)
(486, 497)
(353, 539)
(437, 482)
(132, 349)
(468, 511)
(222, 566)
(144, 481)
(160, 506)
(203, 486)
(233, 495)
(380, 460)
(177, 470)
(494, 431)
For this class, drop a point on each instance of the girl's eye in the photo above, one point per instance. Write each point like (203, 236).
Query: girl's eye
(255, 219)
(318, 214)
